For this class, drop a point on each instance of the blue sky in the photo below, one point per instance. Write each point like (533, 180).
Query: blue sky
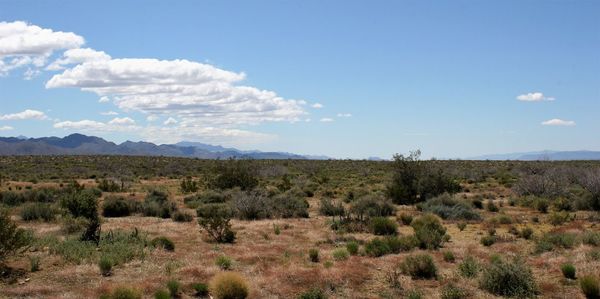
(452, 78)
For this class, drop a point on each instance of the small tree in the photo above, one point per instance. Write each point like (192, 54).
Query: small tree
(13, 240)
(214, 218)
(235, 173)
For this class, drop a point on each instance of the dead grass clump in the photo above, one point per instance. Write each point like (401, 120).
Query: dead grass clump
(229, 285)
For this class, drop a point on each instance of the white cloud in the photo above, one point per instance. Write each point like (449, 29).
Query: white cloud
(121, 121)
(534, 97)
(24, 44)
(24, 115)
(317, 105)
(344, 115)
(152, 118)
(6, 128)
(103, 100)
(77, 56)
(558, 122)
(170, 121)
(326, 119)
(125, 124)
(109, 113)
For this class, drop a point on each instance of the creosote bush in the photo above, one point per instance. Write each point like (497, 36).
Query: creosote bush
(13, 240)
(508, 278)
(469, 267)
(38, 211)
(448, 207)
(229, 285)
(383, 226)
(215, 219)
(118, 206)
(419, 266)
(429, 231)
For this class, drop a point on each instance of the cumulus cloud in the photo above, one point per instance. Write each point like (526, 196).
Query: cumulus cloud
(23, 44)
(326, 119)
(24, 115)
(77, 56)
(109, 113)
(317, 105)
(344, 115)
(534, 97)
(194, 92)
(125, 124)
(6, 128)
(558, 122)
(103, 100)
(170, 121)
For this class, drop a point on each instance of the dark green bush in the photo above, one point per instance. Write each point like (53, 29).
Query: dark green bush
(510, 279)
(157, 204)
(590, 286)
(488, 240)
(201, 289)
(105, 265)
(10, 198)
(164, 243)
(369, 206)
(419, 266)
(449, 257)
(469, 267)
(526, 233)
(553, 240)
(235, 173)
(209, 196)
(429, 231)
(406, 219)
(117, 206)
(215, 219)
(313, 255)
(162, 294)
(568, 270)
(13, 240)
(38, 211)
(383, 226)
(331, 207)
(174, 287)
(352, 247)
(451, 291)
(188, 185)
(313, 294)
(180, 216)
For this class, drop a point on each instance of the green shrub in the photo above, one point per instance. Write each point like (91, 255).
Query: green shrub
(369, 206)
(352, 247)
(377, 247)
(180, 216)
(559, 218)
(34, 263)
(313, 255)
(188, 185)
(477, 203)
(162, 294)
(383, 226)
(469, 267)
(590, 286)
(542, 205)
(406, 219)
(488, 240)
(201, 289)
(13, 240)
(38, 211)
(419, 266)
(214, 219)
(429, 231)
(223, 262)
(340, 254)
(461, 226)
(174, 286)
(10, 198)
(591, 238)
(125, 293)
(331, 207)
(157, 204)
(526, 233)
(81, 204)
(400, 244)
(164, 243)
(550, 241)
(313, 294)
(117, 206)
(451, 291)
(234, 173)
(448, 207)
(449, 257)
(568, 270)
(510, 279)
(414, 294)
(492, 207)
(229, 285)
(109, 186)
(105, 265)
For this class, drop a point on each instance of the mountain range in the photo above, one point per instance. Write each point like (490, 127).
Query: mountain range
(543, 155)
(78, 144)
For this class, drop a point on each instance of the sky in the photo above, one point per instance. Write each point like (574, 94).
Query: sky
(346, 79)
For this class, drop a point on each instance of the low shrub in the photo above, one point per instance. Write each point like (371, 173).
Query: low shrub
(590, 286)
(38, 211)
(117, 206)
(461, 226)
(201, 289)
(215, 219)
(377, 247)
(448, 207)
(331, 207)
(449, 257)
(553, 240)
(105, 265)
(568, 270)
(229, 285)
(406, 219)
(206, 197)
(451, 291)
(591, 238)
(429, 231)
(352, 247)
(492, 207)
(340, 254)
(223, 262)
(180, 216)
(414, 294)
(313, 294)
(383, 226)
(488, 240)
(162, 294)
(13, 240)
(477, 203)
(402, 243)
(124, 293)
(313, 255)
(469, 267)
(510, 279)
(526, 233)
(34, 263)
(164, 243)
(174, 287)
(559, 218)
(419, 266)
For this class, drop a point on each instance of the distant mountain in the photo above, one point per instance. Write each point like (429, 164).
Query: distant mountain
(543, 155)
(78, 144)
